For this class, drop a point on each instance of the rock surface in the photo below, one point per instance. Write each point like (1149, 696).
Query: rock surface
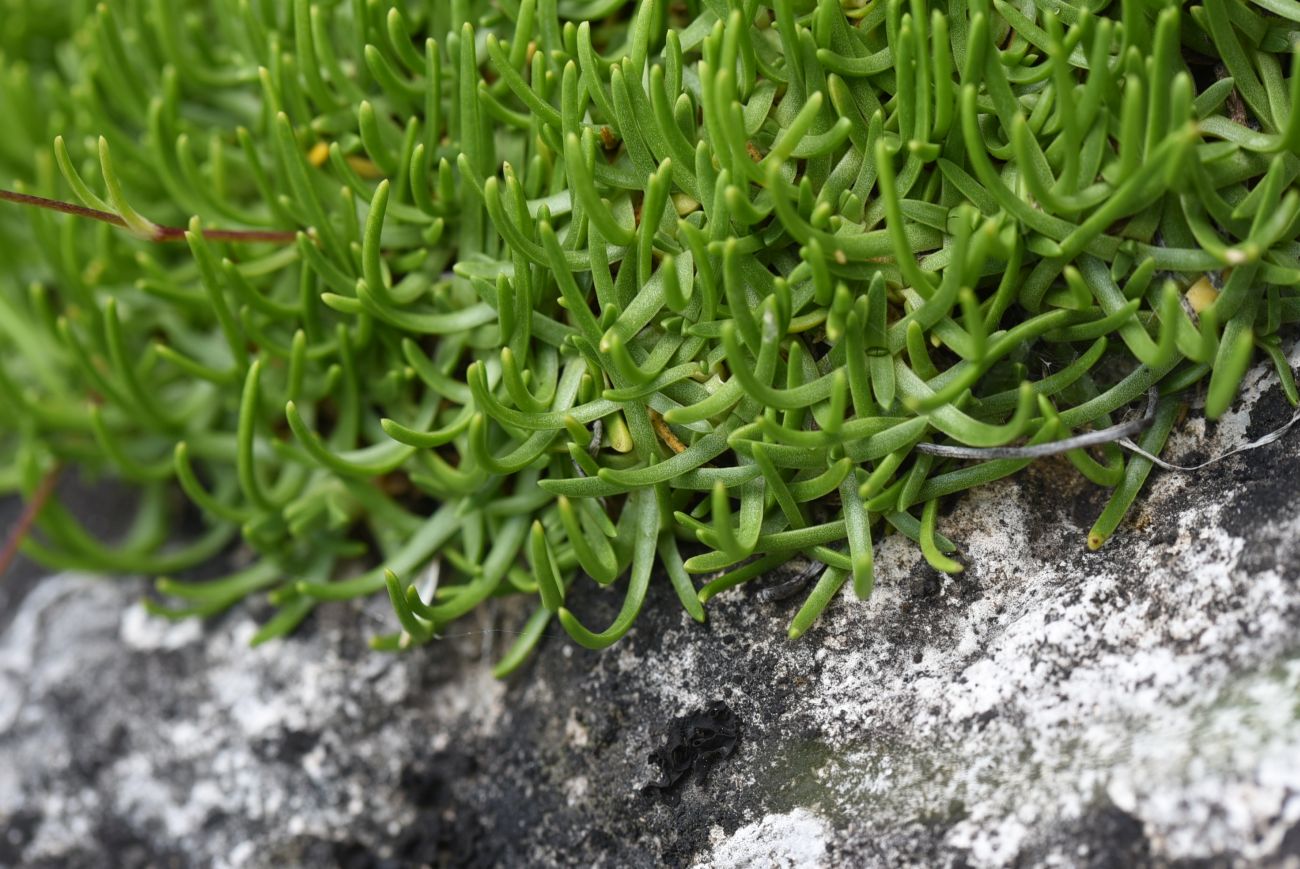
(1049, 706)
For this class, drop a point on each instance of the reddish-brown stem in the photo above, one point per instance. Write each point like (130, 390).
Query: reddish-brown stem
(161, 233)
(65, 207)
(28, 518)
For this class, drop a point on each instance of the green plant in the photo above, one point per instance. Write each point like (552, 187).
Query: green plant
(568, 284)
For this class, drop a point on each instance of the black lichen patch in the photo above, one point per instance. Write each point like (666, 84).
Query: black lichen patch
(1266, 473)
(426, 782)
(693, 744)
(1105, 836)
(288, 746)
(1270, 413)
(130, 845)
(15, 832)
(1290, 846)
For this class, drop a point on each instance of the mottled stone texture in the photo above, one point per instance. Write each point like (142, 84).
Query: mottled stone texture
(1048, 706)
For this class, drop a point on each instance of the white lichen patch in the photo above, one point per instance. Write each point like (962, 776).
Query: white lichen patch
(793, 840)
(145, 632)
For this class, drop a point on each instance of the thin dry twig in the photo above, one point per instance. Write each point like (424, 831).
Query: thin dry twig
(1107, 435)
(1267, 439)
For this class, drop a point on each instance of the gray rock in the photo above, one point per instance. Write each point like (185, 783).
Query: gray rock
(1049, 706)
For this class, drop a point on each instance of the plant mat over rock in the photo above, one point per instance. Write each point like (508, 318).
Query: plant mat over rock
(513, 295)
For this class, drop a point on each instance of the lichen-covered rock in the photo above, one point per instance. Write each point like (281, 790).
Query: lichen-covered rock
(1137, 705)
